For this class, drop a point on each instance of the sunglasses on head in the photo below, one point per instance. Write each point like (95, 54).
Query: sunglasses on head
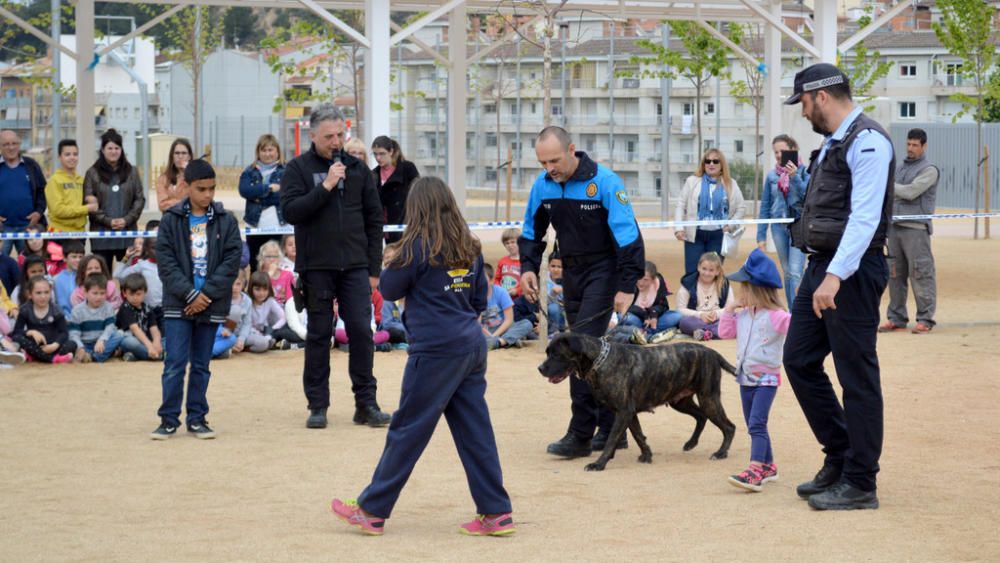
(712, 161)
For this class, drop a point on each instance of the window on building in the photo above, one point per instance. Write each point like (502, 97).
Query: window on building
(907, 69)
(557, 109)
(491, 139)
(513, 109)
(137, 113)
(490, 108)
(908, 110)
(688, 108)
(709, 108)
(491, 175)
(952, 76)
(658, 186)
(534, 107)
(739, 145)
(706, 145)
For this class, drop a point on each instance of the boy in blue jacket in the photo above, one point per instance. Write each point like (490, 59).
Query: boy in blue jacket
(198, 249)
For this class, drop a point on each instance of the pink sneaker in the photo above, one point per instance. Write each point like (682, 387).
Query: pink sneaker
(63, 359)
(350, 512)
(751, 479)
(490, 525)
(768, 472)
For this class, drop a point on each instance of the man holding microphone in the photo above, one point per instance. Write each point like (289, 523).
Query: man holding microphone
(331, 199)
(603, 257)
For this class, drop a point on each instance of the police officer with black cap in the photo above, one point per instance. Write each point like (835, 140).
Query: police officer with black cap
(843, 228)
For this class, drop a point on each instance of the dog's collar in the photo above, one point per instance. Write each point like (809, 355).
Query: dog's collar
(602, 357)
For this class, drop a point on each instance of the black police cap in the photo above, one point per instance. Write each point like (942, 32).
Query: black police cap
(815, 77)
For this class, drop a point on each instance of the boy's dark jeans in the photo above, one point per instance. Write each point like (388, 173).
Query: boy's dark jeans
(186, 341)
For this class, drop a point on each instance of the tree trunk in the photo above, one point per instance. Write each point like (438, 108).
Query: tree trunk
(357, 98)
(697, 116)
(756, 161)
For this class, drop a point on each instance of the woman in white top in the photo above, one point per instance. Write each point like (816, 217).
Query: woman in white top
(711, 194)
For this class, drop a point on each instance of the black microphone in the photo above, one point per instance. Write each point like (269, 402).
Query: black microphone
(340, 183)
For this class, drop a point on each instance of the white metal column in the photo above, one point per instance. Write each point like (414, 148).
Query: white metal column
(772, 82)
(826, 31)
(85, 126)
(457, 32)
(378, 69)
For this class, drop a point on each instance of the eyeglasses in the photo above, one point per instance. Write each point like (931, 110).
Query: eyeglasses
(712, 161)
(181, 153)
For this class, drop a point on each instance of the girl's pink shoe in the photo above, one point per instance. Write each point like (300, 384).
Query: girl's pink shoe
(63, 359)
(490, 525)
(350, 512)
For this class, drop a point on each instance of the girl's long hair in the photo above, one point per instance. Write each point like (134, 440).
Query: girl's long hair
(762, 297)
(85, 261)
(433, 217)
(726, 179)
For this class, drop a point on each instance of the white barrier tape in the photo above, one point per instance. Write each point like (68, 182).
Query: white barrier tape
(287, 230)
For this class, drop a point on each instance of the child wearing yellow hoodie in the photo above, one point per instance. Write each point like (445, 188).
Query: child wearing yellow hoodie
(64, 192)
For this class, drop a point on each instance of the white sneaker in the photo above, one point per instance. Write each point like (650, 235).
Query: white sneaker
(11, 358)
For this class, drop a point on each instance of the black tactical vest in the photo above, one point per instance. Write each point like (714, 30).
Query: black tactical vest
(828, 198)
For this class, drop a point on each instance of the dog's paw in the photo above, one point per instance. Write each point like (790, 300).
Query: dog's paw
(646, 457)
(719, 455)
(690, 445)
(594, 467)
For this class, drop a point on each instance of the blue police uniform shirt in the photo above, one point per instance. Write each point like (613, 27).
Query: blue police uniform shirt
(592, 215)
(868, 158)
(16, 201)
(442, 304)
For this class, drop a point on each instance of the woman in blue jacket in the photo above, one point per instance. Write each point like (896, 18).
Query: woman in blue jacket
(259, 185)
(782, 196)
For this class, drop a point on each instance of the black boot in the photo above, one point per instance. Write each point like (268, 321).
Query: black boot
(372, 416)
(317, 418)
(570, 447)
(827, 477)
(599, 441)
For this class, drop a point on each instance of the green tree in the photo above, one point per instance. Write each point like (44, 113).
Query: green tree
(864, 68)
(241, 28)
(704, 57)
(965, 30)
(991, 102)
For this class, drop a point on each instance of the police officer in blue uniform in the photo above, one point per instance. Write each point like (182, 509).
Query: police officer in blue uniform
(843, 227)
(603, 257)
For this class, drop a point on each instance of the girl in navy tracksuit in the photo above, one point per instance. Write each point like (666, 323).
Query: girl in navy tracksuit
(444, 286)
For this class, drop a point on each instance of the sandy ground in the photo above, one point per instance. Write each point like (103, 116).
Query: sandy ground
(80, 480)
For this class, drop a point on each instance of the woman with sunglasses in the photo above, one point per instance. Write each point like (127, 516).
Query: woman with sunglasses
(709, 195)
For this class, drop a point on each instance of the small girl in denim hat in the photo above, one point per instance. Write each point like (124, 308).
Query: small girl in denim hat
(759, 322)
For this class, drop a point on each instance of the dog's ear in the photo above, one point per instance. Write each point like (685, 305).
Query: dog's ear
(577, 344)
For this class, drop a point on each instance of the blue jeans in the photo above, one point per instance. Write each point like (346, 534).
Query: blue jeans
(131, 344)
(704, 241)
(756, 407)
(669, 319)
(793, 260)
(11, 243)
(192, 341)
(514, 333)
(222, 343)
(557, 317)
(110, 345)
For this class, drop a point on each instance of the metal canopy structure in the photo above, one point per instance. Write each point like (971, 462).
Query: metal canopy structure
(378, 41)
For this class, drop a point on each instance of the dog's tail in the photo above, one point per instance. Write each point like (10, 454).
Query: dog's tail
(725, 365)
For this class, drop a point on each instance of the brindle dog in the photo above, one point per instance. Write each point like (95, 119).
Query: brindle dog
(631, 379)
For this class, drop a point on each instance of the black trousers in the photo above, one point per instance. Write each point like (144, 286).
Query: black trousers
(354, 301)
(851, 434)
(32, 348)
(589, 296)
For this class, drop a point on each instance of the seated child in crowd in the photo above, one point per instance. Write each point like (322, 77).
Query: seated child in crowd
(50, 251)
(41, 328)
(556, 307)
(145, 264)
(231, 336)
(288, 252)
(33, 266)
(10, 354)
(282, 281)
(392, 323)
(651, 309)
(139, 322)
(268, 327)
(89, 265)
(508, 271)
(92, 323)
(498, 319)
(379, 337)
(702, 297)
(65, 282)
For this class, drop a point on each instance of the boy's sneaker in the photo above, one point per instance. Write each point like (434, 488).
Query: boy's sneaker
(490, 525)
(225, 355)
(751, 479)
(384, 347)
(350, 512)
(201, 430)
(769, 472)
(12, 358)
(401, 346)
(702, 335)
(128, 357)
(163, 432)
